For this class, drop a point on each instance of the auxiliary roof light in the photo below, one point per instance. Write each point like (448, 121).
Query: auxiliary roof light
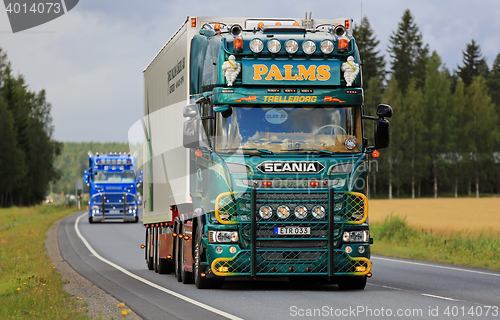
(274, 46)
(256, 45)
(260, 25)
(343, 43)
(309, 47)
(283, 212)
(291, 46)
(326, 46)
(217, 27)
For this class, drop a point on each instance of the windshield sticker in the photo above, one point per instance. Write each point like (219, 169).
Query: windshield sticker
(350, 143)
(276, 116)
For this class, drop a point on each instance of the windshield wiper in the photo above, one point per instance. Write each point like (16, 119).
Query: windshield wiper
(264, 151)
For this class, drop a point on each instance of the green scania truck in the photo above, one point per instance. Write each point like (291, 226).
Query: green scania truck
(255, 159)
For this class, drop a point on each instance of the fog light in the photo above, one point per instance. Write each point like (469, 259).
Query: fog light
(361, 269)
(265, 212)
(283, 212)
(348, 249)
(256, 45)
(361, 249)
(218, 249)
(232, 249)
(300, 212)
(318, 212)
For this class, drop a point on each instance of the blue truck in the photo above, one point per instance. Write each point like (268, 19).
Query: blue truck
(113, 180)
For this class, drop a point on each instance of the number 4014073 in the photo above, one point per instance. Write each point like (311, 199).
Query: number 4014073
(48, 7)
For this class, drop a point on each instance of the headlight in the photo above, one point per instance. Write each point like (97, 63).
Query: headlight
(265, 212)
(318, 212)
(356, 236)
(274, 46)
(291, 46)
(309, 47)
(326, 46)
(300, 212)
(223, 236)
(256, 45)
(283, 212)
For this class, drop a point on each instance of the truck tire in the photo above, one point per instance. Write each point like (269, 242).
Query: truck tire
(164, 266)
(136, 219)
(91, 220)
(177, 255)
(352, 283)
(149, 260)
(155, 249)
(198, 268)
(187, 277)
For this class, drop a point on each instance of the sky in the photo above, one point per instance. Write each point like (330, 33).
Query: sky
(90, 60)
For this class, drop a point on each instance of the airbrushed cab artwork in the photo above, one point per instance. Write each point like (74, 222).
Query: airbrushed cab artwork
(255, 156)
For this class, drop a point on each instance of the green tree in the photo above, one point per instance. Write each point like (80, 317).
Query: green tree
(373, 61)
(459, 139)
(437, 96)
(390, 157)
(474, 64)
(12, 166)
(482, 126)
(415, 133)
(409, 55)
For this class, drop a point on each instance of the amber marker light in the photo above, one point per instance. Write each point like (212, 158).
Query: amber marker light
(314, 183)
(238, 45)
(347, 24)
(278, 23)
(198, 153)
(375, 154)
(295, 23)
(143, 246)
(343, 44)
(369, 274)
(193, 22)
(217, 27)
(260, 25)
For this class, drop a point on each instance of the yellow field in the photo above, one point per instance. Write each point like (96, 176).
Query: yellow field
(442, 215)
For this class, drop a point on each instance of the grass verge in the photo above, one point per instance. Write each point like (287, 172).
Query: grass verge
(30, 287)
(393, 237)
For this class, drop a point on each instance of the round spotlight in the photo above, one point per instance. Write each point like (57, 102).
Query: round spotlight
(256, 45)
(265, 212)
(218, 249)
(348, 249)
(274, 46)
(361, 249)
(318, 212)
(291, 46)
(309, 47)
(300, 212)
(283, 212)
(326, 46)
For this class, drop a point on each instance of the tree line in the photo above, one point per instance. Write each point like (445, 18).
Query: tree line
(27, 150)
(445, 135)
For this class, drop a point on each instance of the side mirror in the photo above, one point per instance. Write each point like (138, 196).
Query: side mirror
(190, 111)
(191, 133)
(86, 176)
(384, 111)
(381, 133)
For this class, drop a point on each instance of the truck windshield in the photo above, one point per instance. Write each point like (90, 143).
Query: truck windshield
(294, 129)
(114, 177)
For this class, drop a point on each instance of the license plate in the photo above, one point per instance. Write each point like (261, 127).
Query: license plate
(292, 231)
(114, 211)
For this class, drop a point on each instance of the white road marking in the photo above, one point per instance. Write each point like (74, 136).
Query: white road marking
(439, 297)
(440, 267)
(149, 283)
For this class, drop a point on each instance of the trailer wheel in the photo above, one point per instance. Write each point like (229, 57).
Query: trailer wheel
(187, 277)
(155, 249)
(199, 257)
(177, 256)
(352, 283)
(149, 259)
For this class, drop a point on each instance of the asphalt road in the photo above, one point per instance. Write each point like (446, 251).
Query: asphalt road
(109, 255)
